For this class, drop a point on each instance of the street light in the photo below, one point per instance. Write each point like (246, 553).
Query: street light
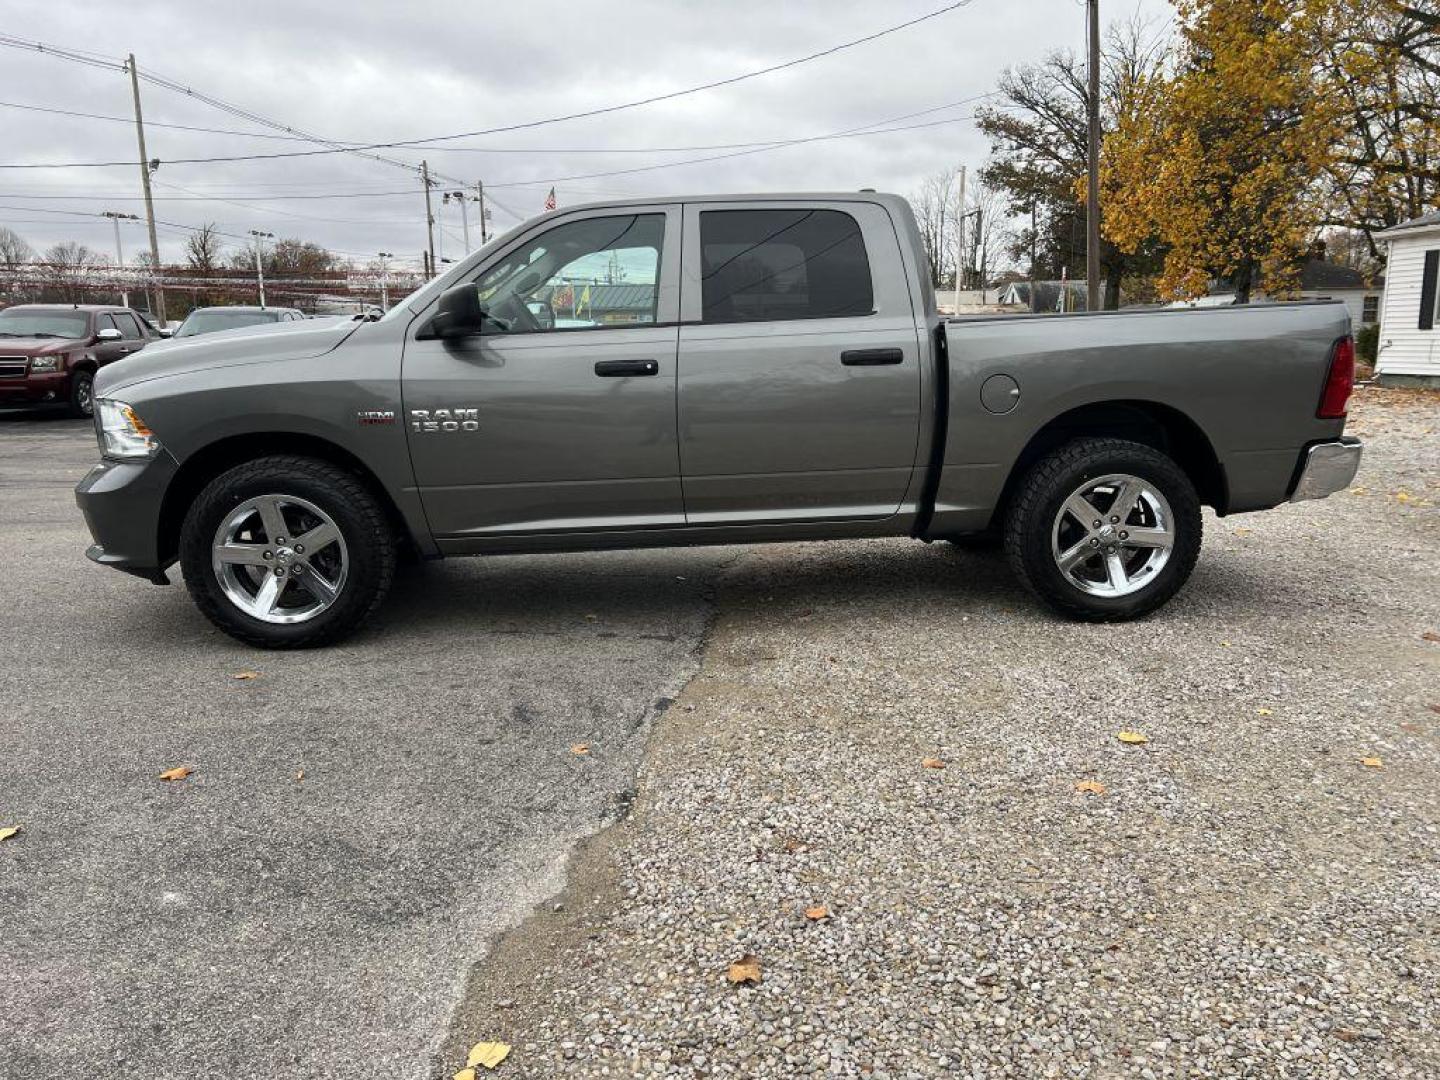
(385, 256)
(459, 196)
(260, 238)
(115, 219)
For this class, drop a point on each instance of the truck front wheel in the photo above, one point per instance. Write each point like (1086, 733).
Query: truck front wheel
(287, 552)
(1104, 529)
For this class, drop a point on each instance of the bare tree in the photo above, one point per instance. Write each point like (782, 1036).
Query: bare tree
(13, 249)
(934, 206)
(1040, 149)
(988, 234)
(69, 269)
(202, 250)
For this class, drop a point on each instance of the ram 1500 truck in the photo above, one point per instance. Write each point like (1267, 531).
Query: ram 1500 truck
(713, 370)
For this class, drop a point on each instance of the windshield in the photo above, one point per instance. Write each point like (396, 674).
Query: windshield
(207, 322)
(62, 324)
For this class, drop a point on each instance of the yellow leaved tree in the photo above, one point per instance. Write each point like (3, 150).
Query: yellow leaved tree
(1222, 156)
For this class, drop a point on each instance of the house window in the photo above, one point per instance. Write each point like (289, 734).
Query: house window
(1370, 311)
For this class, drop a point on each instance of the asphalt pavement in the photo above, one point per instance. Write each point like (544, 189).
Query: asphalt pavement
(358, 823)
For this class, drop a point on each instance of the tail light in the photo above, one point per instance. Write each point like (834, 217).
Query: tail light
(1339, 382)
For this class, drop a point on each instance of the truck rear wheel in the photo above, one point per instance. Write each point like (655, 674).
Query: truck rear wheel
(1104, 529)
(287, 552)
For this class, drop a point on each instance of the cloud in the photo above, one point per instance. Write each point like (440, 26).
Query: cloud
(370, 71)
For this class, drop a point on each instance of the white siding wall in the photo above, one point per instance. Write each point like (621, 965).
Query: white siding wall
(1405, 349)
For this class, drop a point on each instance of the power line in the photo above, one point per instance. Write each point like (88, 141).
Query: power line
(462, 149)
(334, 148)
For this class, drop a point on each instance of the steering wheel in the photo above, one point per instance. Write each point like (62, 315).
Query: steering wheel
(513, 314)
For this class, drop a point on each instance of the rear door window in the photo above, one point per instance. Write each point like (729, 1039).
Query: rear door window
(129, 327)
(772, 265)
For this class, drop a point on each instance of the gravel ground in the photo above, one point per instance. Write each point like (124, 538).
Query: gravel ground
(1245, 899)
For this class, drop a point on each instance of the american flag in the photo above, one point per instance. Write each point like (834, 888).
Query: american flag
(550, 200)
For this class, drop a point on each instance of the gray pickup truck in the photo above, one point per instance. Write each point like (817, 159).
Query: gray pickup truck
(713, 370)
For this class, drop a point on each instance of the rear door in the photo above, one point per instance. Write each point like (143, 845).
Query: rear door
(107, 351)
(799, 363)
(560, 418)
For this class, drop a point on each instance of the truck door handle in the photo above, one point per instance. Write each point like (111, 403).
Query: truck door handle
(619, 369)
(871, 357)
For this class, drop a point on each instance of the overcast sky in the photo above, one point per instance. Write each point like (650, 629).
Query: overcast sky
(365, 71)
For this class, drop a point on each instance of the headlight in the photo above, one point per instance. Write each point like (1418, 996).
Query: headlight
(122, 433)
(41, 364)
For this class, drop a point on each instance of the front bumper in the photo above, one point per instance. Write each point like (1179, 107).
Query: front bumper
(1326, 468)
(121, 501)
(39, 387)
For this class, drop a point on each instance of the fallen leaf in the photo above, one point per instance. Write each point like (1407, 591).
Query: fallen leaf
(1134, 738)
(488, 1054)
(242, 676)
(9, 831)
(465, 1074)
(1090, 787)
(1357, 491)
(178, 773)
(1225, 644)
(1413, 729)
(744, 970)
(1402, 496)
(932, 763)
(1346, 1034)
(1433, 708)
(1430, 635)
(299, 775)
(1265, 712)
(818, 912)
(1371, 762)
(1242, 532)
(580, 748)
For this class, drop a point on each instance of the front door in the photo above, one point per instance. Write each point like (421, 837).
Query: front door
(560, 416)
(799, 394)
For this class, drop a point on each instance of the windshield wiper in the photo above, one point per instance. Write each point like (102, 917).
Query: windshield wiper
(44, 333)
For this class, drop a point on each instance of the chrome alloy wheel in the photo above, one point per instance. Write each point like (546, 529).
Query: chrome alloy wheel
(280, 559)
(1113, 535)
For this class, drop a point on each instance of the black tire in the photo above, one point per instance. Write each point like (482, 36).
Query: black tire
(368, 538)
(1032, 514)
(82, 394)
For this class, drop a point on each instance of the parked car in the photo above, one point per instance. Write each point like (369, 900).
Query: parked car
(208, 320)
(50, 352)
(789, 379)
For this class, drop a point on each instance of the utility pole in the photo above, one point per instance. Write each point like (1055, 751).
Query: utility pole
(484, 237)
(1092, 211)
(145, 184)
(115, 219)
(385, 258)
(959, 239)
(429, 220)
(260, 238)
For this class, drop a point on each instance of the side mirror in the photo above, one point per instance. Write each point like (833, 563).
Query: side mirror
(460, 313)
(108, 334)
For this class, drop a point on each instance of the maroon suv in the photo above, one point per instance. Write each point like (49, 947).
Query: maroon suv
(50, 352)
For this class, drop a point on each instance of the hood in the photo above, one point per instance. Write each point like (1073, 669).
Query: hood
(224, 348)
(30, 346)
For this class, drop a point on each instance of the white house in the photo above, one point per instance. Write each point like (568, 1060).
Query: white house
(1409, 349)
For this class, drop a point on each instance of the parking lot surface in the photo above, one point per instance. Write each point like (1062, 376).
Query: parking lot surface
(244, 922)
(1246, 896)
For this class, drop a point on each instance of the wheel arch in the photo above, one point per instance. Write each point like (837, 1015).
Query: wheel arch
(199, 468)
(1152, 423)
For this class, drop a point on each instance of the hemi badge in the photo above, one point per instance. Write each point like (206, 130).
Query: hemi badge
(375, 416)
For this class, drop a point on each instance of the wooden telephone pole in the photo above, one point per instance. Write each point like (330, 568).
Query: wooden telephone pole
(149, 202)
(1092, 210)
